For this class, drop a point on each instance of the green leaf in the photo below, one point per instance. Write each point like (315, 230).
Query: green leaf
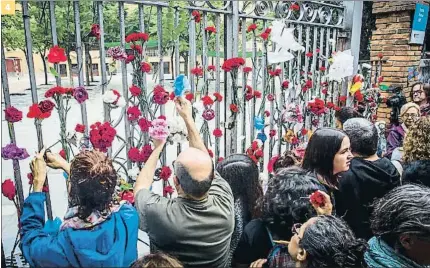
(383, 87)
(112, 67)
(53, 72)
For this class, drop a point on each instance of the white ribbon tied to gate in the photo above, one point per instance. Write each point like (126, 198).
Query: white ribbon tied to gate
(285, 42)
(342, 66)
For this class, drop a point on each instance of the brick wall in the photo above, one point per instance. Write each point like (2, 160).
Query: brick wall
(391, 39)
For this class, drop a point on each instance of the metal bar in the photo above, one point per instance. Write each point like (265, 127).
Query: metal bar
(244, 82)
(124, 78)
(7, 102)
(308, 31)
(54, 37)
(177, 59)
(192, 52)
(217, 82)
(144, 81)
(291, 21)
(80, 61)
(166, 4)
(314, 69)
(205, 89)
(161, 68)
(272, 106)
(106, 109)
(254, 82)
(31, 73)
(320, 63)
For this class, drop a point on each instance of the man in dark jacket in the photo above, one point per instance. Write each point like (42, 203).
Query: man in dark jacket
(369, 177)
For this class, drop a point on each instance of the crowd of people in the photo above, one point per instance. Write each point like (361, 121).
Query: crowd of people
(340, 205)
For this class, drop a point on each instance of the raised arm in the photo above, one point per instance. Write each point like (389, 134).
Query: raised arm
(184, 108)
(146, 175)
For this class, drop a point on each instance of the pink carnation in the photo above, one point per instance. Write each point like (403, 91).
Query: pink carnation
(159, 129)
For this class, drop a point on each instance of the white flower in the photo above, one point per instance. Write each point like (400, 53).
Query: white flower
(109, 97)
(199, 107)
(332, 42)
(366, 66)
(342, 66)
(121, 102)
(178, 130)
(133, 173)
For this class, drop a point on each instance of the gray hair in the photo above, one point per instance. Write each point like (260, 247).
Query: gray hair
(363, 136)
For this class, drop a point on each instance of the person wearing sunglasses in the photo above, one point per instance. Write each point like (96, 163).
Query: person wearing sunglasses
(409, 114)
(420, 94)
(401, 226)
(195, 227)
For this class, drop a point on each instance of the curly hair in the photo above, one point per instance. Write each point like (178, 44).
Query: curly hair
(242, 174)
(92, 182)
(287, 159)
(286, 201)
(417, 141)
(405, 209)
(329, 242)
(156, 260)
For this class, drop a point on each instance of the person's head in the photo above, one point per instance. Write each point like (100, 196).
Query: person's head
(156, 260)
(326, 241)
(363, 136)
(402, 220)
(328, 153)
(409, 113)
(416, 145)
(287, 159)
(92, 182)
(417, 172)
(344, 114)
(286, 200)
(194, 173)
(241, 172)
(420, 93)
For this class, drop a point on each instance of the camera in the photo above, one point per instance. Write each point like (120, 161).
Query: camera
(395, 102)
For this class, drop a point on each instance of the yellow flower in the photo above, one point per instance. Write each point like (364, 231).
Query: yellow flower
(288, 137)
(355, 87)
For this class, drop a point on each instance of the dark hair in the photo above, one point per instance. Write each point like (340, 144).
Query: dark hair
(156, 260)
(330, 242)
(242, 174)
(346, 113)
(363, 136)
(426, 89)
(405, 209)
(286, 201)
(287, 159)
(191, 186)
(92, 183)
(417, 172)
(322, 147)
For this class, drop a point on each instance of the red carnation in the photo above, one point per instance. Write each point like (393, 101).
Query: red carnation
(135, 90)
(211, 68)
(165, 173)
(144, 124)
(270, 97)
(218, 96)
(62, 153)
(210, 29)
(102, 135)
(295, 7)
(146, 152)
(189, 96)
(198, 71)
(35, 112)
(233, 108)
(251, 27)
(358, 96)
(137, 48)
(272, 133)
(80, 128)
(207, 101)
(133, 37)
(257, 94)
(95, 31)
(285, 84)
(134, 155)
(380, 56)
(318, 199)
(266, 113)
(323, 68)
(129, 59)
(342, 98)
(324, 91)
(304, 131)
(168, 190)
(161, 96)
(8, 189)
(196, 16)
(12, 115)
(133, 113)
(128, 196)
(56, 54)
(264, 35)
(276, 72)
(232, 64)
(247, 69)
(145, 67)
(211, 154)
(309, 54)
(217, 132)
(163, 117)
(55, 91)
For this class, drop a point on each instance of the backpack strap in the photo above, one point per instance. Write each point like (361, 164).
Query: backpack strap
(399, 168)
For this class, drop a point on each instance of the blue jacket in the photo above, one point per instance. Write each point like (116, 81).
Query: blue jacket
(113, 243)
